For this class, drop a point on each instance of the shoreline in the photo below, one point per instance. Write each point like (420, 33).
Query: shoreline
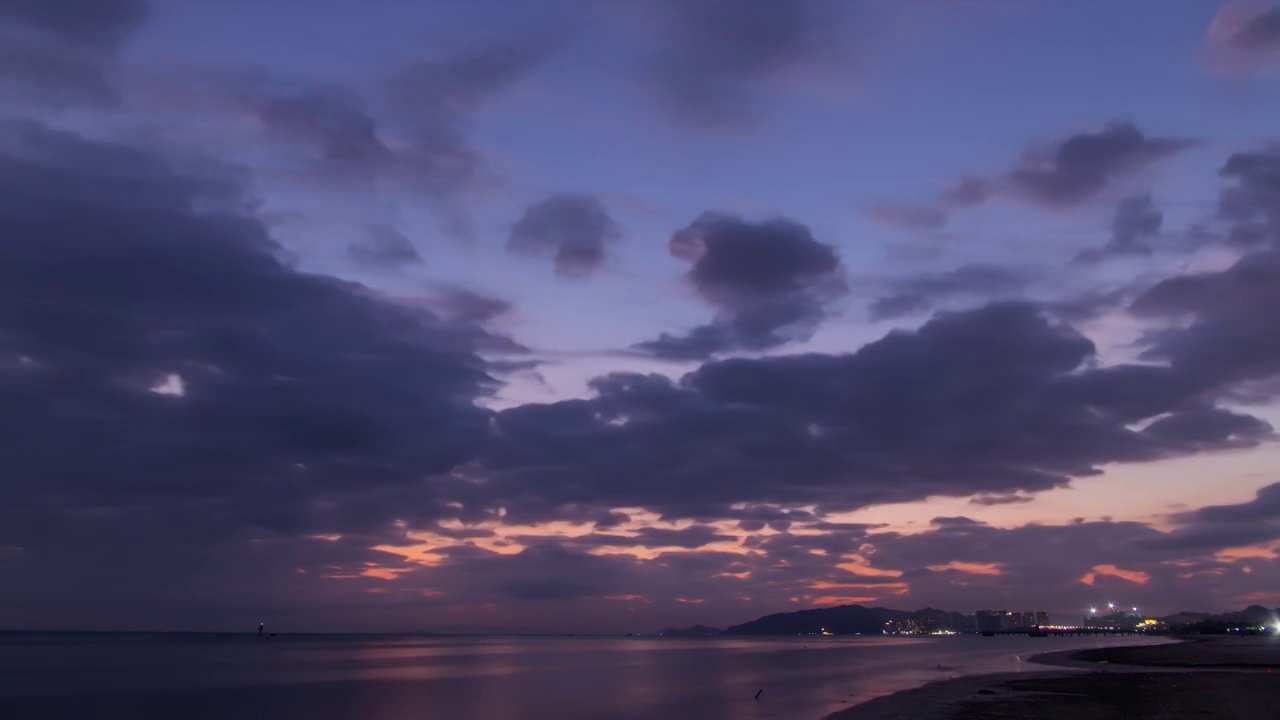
(1225, 676)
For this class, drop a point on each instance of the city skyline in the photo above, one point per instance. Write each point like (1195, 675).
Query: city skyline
(601, 316)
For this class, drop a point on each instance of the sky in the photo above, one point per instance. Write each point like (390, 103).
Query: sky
(611, 316)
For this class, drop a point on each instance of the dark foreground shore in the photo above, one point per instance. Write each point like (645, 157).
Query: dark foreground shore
(1210, 677)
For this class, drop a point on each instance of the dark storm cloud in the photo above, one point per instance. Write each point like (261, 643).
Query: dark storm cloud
(1252, 204)
(60, 53)
(1083, 165)
(213, 395)
(385, 245)
(923, 292)
(574, 230)
(1137, 220)
(714, 55)
(844, 431)
(769, 281)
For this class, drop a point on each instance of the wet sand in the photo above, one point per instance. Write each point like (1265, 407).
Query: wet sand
(1205, 677)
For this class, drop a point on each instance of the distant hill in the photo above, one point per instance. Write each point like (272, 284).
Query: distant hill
(1184, 618)
(848, 620)
(1252, 616)
(691, 631)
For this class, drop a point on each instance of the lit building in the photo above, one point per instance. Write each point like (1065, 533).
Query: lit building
(1114, 619)
(998, 620)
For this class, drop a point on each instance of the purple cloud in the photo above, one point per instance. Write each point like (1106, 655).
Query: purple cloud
(715, 55)
(1243, 37)
(770, 283)
(574, 230)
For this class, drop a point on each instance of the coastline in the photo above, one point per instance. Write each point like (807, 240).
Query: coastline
(1197, 677)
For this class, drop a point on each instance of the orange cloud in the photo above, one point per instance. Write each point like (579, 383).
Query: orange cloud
(1265, 552)
(971, 568)
(689, 600)
(1133, 576)
(382, 573)
(835, 600)
(897, 588)
(859, 565)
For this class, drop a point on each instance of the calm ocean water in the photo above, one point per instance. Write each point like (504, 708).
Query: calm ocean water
(351, 677)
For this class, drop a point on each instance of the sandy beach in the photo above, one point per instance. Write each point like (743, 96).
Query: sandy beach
(1218, 677)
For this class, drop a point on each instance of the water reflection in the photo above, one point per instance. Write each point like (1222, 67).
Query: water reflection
(388, 678)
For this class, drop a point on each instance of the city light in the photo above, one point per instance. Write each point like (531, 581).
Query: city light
(1093, 610)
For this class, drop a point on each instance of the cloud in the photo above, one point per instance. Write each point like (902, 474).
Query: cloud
(308, 404)
(341, 132)
(474, 319)
(385, 245)
(990, 500)
(1061, 174)
(1219, 324)
(689, 538)
(911, 217)
(968, 191)
(1218, 527)
(411, 134)
(1083, 165)
(98, 23)
(1243, 37)
(770, 283)
(575, 230)
(844, 431)
(1137, 219)
(714, 56)
(1252, 205)
(439, 95)
(435, 102)
(922, 292)
(468, 306)
(60, 54)
(305, 420)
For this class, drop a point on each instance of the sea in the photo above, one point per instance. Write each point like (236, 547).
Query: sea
(172, 676)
